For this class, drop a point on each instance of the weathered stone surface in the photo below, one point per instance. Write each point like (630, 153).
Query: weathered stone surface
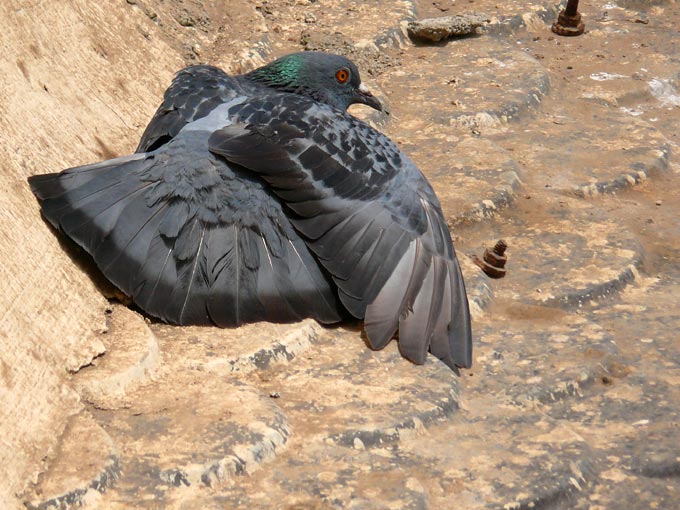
(132, 356)
(640, 81)
(568, 263)
(504, 459)
(78, 88)
(252, 347)
(85, 465)
(589, 152)
(69, 64)
(571, 405)
(354, 28)
(512, 17)
(476, 87)
(524, 359)
(474, 180)
(187, 430)
(477, 285)
(355, 399)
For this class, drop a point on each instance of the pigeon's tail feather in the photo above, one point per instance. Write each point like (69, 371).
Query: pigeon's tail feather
(309, 286)
(186, 303)
(175, 266)
(103, 208)
(250, 281)
(52, 185)
(86, 202)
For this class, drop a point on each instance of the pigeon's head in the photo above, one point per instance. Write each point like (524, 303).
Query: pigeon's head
(325, 77)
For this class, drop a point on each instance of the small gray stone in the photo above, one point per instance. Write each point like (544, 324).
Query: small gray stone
(436, 29)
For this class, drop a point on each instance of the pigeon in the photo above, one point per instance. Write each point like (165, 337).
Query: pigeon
(258, 197)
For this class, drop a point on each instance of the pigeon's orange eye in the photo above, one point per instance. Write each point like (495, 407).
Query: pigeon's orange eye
(342, 75)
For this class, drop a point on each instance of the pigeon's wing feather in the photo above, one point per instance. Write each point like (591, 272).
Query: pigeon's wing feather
(189, 238)
(367, 213)
(194, 92)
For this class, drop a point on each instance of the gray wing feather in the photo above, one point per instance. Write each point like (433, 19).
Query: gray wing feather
(370, 217)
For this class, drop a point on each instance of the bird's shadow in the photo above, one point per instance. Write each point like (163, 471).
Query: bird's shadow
(424, 43)
(84, 261)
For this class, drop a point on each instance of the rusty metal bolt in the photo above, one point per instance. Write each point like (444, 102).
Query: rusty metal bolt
(494, 260)
(569, 21)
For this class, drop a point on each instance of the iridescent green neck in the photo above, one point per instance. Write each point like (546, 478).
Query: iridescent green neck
(282, 74)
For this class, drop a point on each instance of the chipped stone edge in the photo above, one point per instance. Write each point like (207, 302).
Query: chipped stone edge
(242, 459)
(562, 390)
(579, 298)
(377, 438)
(396, 37)
(584, 473)
(504, 196)
(479, 294)
(625, 180)
(508, 25)
(97, 389)
(285, 349)
(507, 113)
(77, 498)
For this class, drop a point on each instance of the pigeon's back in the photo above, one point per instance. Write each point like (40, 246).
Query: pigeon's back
(194, 93)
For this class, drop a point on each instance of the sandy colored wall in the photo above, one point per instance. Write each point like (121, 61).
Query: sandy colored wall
(76, 88)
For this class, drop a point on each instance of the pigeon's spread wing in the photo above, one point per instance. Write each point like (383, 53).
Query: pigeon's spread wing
(188, 239)
(368, 214)
(194, 92)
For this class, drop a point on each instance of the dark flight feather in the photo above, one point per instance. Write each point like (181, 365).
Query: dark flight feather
(152, 224)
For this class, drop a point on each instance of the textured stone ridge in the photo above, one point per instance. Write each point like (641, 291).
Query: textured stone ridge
(131, 358)
(572, 136)
(476, 86)
(474, 180)
(86, 465)
(569, 266)
(355, 401)
(184, 431)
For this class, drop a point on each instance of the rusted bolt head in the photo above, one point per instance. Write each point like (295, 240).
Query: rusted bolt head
(500, 247)
(492, 258)
(568, 25)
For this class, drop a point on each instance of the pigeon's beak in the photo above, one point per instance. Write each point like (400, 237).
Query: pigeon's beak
(364, 96)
